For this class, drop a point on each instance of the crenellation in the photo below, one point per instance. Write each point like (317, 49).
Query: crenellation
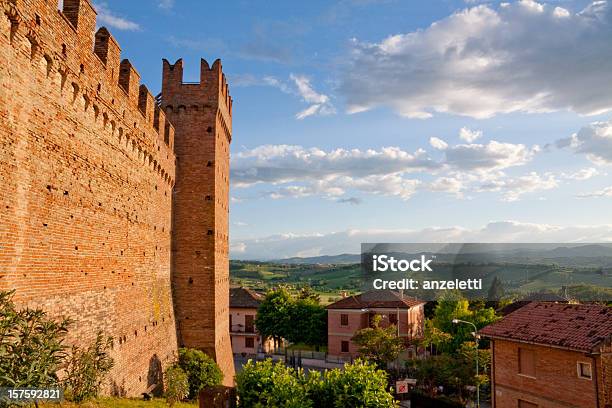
(82, 15)
(109, 52)
(146, 104)
(129, 80)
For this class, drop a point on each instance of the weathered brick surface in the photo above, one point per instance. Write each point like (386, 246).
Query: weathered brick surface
(201, 113)
(87, 170)
(556, 383)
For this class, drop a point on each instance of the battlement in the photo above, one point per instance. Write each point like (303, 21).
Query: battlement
(65, 43)
(213, 84)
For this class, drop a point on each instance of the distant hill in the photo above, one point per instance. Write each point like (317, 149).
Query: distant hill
(588, 254)
(324, 259)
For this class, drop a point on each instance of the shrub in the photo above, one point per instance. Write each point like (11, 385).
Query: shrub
(201, 370)
(265, 384)
(358, 385)
(177, 384)
(86, 369)
(31, 345)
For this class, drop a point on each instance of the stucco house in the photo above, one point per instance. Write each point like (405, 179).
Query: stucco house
(245, 340)
(353, 313)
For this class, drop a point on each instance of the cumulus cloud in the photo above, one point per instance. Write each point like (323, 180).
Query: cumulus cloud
(437, 143)
(296, 172)
(349, 241)
(469, 135)
(319, 103)
(583, 174)
(491, 156)
(453, 185)
(594, 140)
(109, 18)
(290, 163)
(522, 56)
(513, 188)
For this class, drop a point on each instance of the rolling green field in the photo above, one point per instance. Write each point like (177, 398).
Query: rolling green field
(331, 280)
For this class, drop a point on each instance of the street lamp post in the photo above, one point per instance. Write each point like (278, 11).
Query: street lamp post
(476, 337)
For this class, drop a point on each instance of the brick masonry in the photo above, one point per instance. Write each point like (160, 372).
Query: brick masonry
(202, 114)
(556, 382)
(87, 173)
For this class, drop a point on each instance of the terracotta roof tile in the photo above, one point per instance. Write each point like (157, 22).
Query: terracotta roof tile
(376, 298)
(577, 327)
(244, 297)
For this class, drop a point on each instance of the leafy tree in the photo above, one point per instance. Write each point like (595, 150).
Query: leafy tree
(452, 305)
(177, 384)
(468, 352)
(358, 385)
(377, 344)
(264, 384)
(299, 320)
(86, 369)
(309, 322)
(201, 370)
(273, 316)
(31, 345)
(434, 337)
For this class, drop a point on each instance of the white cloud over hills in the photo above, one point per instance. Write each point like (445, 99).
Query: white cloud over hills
(289, 245)
(522, 56)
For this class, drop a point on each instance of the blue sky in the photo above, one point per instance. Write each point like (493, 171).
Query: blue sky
(389, 120)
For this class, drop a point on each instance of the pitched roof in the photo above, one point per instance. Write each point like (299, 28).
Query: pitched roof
(569, 326)
(244, 297)
(376, 298)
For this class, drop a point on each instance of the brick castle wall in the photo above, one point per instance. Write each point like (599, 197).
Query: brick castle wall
(87, 170)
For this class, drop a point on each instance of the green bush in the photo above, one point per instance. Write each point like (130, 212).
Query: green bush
(265, 384)
(177, 384)
(86, 369)
(31, 345)
(201, 370)
(358, 385)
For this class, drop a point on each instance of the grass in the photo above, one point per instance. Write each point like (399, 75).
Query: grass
(108, 402)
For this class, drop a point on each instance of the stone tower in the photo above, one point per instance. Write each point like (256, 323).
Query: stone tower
(202, 116)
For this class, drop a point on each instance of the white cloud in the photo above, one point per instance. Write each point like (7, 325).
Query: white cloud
(513, 188)
(109, 18)
(469, 135)
(349, 241)
(491, 156)
(522, 56)
(605, 192)
(289, 163)
(319, 103)
(298, 172)
(594, 140)
(453, 185)
(438, 143)
(336, 186)
(297, 85)
(583, 174)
